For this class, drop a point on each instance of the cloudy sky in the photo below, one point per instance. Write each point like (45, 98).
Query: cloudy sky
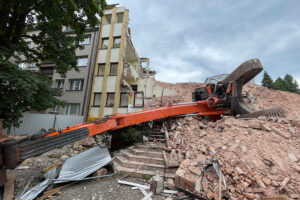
(194, 39)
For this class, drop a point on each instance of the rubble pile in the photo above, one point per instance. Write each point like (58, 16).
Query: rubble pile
(184, 91)
(258, 157)
(263, 97)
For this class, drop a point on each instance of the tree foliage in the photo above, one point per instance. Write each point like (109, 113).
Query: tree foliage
(33, 92)
(279, 84)
(291, 84)
(49, 17)
(267, 80)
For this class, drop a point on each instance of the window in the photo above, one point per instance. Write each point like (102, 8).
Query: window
(110, 99)
(87, 40)
(104, 43)
(60, 84)
(101, 69)
(97, 99)
(47, 70)
(107, 19)
(33, 65)
(124, 99)
(82, 61)
(22, 65)
(138, 99)
(56, 109)
(114, 69)
(120, 17)
(117, 42)
(72, 109)
(76, 84)
(134, 87)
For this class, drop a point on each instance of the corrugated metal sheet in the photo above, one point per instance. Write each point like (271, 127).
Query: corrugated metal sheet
(35, 191)
(84, 164)
(34, 123)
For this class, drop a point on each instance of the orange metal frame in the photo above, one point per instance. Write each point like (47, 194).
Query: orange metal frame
(118, 121)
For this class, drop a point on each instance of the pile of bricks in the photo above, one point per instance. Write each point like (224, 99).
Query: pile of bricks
(259, 158)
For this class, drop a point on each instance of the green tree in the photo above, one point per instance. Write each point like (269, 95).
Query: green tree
(49, 17)
(267, 80)
(279, 84)
(291, 84)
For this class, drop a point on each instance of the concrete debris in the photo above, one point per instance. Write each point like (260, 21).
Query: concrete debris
(253, 157)
(157, 184)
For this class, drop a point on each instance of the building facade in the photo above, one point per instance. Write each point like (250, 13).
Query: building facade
(112, 78)
(122, 80)
(76, 86)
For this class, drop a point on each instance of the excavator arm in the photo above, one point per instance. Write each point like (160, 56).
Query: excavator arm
(16, 151)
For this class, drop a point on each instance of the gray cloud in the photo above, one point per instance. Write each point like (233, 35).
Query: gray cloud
(191, 40)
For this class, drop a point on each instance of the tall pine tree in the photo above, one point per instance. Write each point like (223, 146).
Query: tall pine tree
(267, 80)
(279, 84)
(291, 84)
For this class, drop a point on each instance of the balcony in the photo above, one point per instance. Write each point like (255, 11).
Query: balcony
(130, 73)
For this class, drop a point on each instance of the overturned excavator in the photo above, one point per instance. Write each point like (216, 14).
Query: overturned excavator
(213, 100)
(227, 93)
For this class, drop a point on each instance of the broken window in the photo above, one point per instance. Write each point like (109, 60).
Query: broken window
(110, 99)
(134, 87)
(82, 61)
(72, 109)
(60, 84)
(124, 99)
(117, 42)
(86, 40)
(97, 99)
(101, 69)
(104, 43)
(120, 17)
(76, 84)
(139, 99)
(107, 19)
(114, 69)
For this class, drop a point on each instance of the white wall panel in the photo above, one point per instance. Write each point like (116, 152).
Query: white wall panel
(114, 55)
(102, 56)
(111, 83)
(105, 31)
(94, 112)
(98, 84)
(118, 29)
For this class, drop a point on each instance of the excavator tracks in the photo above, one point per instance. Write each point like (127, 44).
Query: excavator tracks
(271, 112)
(245, 72)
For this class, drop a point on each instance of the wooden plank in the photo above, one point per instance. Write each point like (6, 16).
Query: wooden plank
(9, 187)
(167, 138)
(279, 132)
(134, 184)
(166, 159)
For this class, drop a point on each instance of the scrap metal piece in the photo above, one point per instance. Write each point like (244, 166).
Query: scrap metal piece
(35, 191)
(270, 112)
(219, 172)
(78, 167)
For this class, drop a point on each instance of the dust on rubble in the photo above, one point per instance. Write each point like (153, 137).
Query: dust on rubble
(253, 159)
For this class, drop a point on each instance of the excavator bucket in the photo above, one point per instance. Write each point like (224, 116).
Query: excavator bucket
(241, 76)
